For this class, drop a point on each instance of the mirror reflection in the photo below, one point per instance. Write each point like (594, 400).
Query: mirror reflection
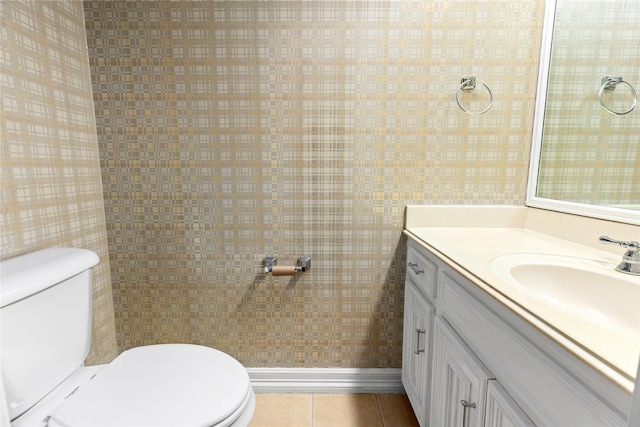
(590, 148)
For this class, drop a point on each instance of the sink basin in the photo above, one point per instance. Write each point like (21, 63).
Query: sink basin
(573, 292)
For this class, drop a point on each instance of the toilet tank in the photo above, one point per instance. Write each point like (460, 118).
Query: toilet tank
(45, 321)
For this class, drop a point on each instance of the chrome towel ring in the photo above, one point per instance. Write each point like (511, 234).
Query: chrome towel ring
(610, 83)
(469, 83)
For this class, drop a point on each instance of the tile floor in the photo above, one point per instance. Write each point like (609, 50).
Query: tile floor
(333, 410)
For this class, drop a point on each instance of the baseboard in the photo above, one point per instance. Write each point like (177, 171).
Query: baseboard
(326, 380)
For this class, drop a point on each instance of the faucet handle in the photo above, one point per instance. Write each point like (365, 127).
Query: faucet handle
(630, 260)
(609, 241)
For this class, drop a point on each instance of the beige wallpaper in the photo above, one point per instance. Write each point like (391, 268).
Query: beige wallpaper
(230, 130)
(590, 155)
(49, 167)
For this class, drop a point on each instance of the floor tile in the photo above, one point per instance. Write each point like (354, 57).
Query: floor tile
(346, 410)
(396, 411)
(282, 410)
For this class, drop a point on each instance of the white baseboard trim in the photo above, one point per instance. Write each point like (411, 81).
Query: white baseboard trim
(326, 380)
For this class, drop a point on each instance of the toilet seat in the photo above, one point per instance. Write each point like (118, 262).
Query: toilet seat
(161, 385)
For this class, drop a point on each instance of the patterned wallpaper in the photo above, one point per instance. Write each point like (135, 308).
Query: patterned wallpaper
(590, 155)
(231, 130)
(49, 167)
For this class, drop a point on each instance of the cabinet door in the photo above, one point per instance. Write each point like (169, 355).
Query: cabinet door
(416, 350)
(501, 409)
(459, 381)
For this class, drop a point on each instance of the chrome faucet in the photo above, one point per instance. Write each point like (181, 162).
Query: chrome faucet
(631, 259)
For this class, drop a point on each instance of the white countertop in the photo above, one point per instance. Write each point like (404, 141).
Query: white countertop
(471, 250)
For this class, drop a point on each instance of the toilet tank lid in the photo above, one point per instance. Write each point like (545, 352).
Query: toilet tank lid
(28, 274)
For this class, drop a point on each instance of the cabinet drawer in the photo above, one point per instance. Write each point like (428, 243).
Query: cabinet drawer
(421, 271)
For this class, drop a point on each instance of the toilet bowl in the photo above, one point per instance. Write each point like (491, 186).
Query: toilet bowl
(157, 385)
(43, 348)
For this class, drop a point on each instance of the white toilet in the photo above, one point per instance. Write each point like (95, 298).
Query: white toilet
(45, 320)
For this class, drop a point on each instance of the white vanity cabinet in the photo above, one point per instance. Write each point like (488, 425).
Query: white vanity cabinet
(439, 372)
(486, 365)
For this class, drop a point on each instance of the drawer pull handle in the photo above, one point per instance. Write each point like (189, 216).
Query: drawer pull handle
(465, 406)
(419, 331)
(414, 267)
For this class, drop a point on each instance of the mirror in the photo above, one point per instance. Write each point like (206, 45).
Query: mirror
(585, 155)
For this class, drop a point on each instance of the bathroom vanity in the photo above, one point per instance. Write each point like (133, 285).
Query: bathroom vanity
(484, 345)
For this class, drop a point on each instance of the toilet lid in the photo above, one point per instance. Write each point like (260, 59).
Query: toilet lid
(159, 385)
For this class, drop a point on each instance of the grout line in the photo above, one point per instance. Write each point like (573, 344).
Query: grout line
(313, 400)
(380, 411)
